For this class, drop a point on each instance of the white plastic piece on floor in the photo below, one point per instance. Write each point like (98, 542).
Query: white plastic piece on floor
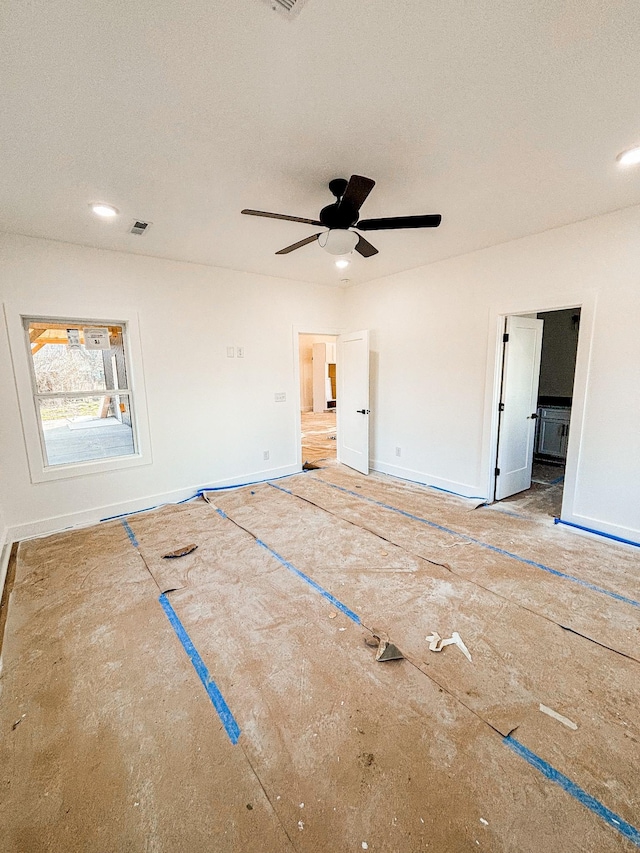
(437, 644)
(556, 716)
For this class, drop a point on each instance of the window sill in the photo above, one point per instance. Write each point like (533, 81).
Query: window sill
(95, 466)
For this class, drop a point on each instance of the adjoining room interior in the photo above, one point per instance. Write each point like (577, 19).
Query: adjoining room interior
(553, 401)
(318, 393)
(319, 469)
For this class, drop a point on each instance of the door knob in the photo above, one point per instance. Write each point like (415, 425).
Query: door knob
(534, 416)
(363, 411)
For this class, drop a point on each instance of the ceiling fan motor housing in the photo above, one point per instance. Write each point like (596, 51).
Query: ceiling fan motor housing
(338, 215)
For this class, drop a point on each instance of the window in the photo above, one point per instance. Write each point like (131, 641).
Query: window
(81, 390)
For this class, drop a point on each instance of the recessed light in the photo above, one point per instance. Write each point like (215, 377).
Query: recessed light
(631, 157)
(105, 210)
(342, 264)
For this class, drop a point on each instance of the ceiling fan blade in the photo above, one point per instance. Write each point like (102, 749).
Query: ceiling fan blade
(299, 244)
(356, 192)
(365, 248)
(392, 222)
(281, 216)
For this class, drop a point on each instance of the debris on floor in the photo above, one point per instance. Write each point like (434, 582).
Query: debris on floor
(386, 649)
(309, 466)
(559, 717)
(179, 552)
(437, 644)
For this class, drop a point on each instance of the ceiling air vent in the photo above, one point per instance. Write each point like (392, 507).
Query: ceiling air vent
(139, 227)
(288, 8)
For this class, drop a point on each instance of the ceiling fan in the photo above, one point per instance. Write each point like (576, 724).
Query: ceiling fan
(341, 217)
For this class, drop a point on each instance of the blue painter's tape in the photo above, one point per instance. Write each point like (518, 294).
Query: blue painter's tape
(439, 489)
(332, 599)
(198, 494)
(557, 480)
(226, 717)
(509, 512)
(446, 491)
(496, 550)
(127, 514)
(597, 532)
(243, 485)
(130, 533)
(574, 790)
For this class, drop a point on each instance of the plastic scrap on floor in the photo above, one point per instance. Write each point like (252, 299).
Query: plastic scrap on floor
(386, 649)
(437, 644)
(559, 717)
(179, 552)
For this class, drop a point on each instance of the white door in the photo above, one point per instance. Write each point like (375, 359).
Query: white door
(519, 400)
(353, 400)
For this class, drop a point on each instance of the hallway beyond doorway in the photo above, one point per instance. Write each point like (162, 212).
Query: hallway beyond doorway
(318, 436)
(544, 497)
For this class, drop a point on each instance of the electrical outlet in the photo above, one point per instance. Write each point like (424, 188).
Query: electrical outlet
(240, 352)
(398, 451)
(265, 455)
(230, 352)
(280, 397)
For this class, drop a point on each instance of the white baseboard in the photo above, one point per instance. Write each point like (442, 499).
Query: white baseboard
(464, 490)
(85, 518)
(588, 526)
(5, 554)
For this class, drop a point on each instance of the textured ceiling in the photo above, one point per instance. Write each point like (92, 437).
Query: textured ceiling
(504, 117)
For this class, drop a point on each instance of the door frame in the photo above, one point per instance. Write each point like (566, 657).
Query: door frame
(586, 301)
(306, 329)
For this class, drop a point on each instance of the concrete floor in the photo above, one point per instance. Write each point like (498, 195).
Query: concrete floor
(114, 737)
(77, 444)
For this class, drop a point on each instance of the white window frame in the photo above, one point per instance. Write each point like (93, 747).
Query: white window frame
(28, 396)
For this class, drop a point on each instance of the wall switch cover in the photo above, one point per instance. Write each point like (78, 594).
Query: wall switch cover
(280, 397)
(230, 352)
(240, 352)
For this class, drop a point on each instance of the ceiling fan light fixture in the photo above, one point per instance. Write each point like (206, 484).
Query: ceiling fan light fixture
(340, 241)
(342, 263)
(630, 157)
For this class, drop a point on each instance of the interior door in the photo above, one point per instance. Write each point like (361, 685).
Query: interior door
(518, 404)
(353, 400)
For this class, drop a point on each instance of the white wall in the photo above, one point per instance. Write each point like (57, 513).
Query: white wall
(435, 337)
(5, 550)
(210, 417)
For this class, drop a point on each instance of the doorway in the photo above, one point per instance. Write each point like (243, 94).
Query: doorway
(538, 368)
(318, 398)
